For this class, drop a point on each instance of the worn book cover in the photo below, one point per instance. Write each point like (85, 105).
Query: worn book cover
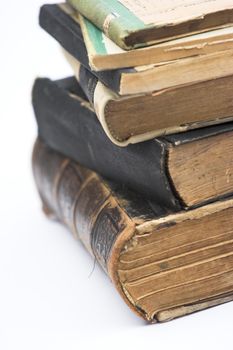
(154, 78)
(132, 24)
(140, 79)
(104, 54)
(164, 266)
(163, 112)
(180, 171)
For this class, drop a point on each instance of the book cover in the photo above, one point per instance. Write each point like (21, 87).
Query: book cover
(138, 79)
(133, 24)
(164, 112)
(173, 169)
(164, 266)
(104, 54)
(67, 32)
(155, 78)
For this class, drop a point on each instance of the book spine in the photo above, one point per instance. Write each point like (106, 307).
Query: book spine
(141, 167)
(99, 13)
(78, 198)
(69, 35)
(88, 82)
(99, 97)
(65, 30)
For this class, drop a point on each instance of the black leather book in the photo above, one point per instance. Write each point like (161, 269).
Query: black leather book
(178, 171)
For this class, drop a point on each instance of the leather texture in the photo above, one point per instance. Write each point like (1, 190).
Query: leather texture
(68, 125)
(95, 210)
(109, 219)
(79, 199)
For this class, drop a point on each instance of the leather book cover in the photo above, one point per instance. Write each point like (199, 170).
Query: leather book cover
(164, 266)
(67, 123)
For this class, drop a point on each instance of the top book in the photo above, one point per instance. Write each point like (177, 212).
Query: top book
(137, 23)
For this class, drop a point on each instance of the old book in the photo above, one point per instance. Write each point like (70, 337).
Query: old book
(140, 117)
(173, 74)
(139, 79)
(164, 266)
(179, 171)
(132, 24)
(103, 53)
(62, 22)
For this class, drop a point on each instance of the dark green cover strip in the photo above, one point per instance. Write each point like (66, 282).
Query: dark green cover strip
(121, 23)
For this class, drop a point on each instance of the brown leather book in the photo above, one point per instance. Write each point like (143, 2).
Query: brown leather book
(163, 265)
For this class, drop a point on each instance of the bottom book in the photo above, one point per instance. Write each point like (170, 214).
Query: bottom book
(164, 265)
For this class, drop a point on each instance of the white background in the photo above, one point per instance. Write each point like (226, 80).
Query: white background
(49, 297)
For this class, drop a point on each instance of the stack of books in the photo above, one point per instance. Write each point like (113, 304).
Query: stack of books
(135, 151)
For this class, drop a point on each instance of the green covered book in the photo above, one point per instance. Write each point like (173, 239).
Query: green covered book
(132, 24)
(104, 54)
